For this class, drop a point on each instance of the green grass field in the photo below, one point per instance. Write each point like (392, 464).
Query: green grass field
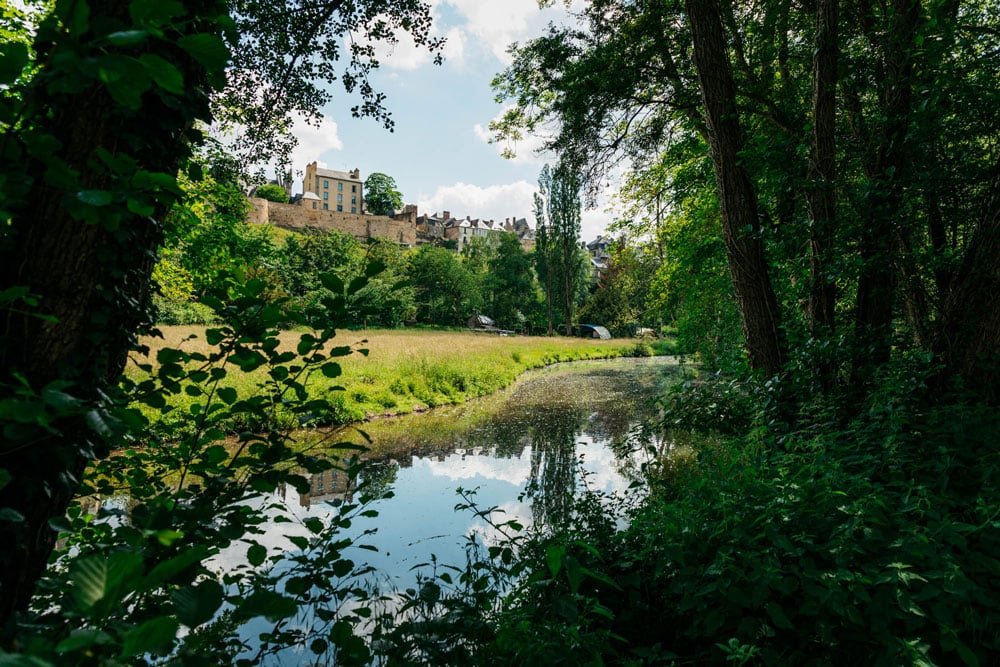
(408, 370)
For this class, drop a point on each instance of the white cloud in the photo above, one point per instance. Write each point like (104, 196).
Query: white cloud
(407, 56)
(313, 141)
(499, 202)
(456, 467)
(492, 202)
(593, 223)
(495, 25)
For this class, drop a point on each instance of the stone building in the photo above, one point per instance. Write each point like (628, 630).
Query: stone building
(435, 227)
(340, 191)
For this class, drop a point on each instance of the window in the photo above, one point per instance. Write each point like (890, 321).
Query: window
(340, 198)
(340, 187)
(314, 204)
(326, 195)
(326, 206)
(354, 200)
(354, 210)
(326, 184)
(354, 188)
(340, 208)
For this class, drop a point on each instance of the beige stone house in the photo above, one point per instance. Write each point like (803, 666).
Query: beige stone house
(340, 191)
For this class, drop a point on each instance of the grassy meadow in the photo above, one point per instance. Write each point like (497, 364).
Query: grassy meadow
(409, 370)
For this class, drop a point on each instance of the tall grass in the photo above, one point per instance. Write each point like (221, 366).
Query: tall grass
(404, 370)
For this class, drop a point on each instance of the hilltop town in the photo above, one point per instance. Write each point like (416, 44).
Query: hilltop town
(334, 200)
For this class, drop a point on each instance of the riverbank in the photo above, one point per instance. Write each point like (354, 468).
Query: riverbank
(407, 371)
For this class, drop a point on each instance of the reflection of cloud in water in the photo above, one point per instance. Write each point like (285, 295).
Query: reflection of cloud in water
(602, 467)
(513, 510)
(455, 467)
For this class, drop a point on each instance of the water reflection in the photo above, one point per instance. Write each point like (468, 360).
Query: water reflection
(530, 442)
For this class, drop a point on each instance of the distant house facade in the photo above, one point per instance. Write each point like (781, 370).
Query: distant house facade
(437, 227)
(340, 191)
(598, 249)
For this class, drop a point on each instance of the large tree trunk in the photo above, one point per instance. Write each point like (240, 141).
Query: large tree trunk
(820, 194)
(967, 336)
(760, 315)
(88, 261)
(879, 238)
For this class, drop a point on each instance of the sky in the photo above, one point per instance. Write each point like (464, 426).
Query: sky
(439, 153)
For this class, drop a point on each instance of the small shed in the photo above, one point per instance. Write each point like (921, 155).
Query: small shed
(593, 331)
(478, 321)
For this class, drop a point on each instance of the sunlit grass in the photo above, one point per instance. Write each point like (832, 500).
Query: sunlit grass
(407, 370)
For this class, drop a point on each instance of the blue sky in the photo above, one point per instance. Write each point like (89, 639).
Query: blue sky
(439, 153)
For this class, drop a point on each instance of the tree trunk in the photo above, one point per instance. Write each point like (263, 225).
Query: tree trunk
(567, 280)
(820, 193)
(877, 281)
(967, 336)
(89, 264)
(760, 315)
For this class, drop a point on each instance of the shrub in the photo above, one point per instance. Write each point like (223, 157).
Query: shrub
(272, 192)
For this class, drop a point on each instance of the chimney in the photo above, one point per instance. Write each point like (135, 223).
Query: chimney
(447, 215)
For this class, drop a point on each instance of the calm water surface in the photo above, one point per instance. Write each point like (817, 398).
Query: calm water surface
(523, 451)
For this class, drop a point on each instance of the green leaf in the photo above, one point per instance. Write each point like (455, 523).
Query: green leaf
(13, 59)
(163, 73)
(169, 569)
(209, 50)
(96, 578)
(777, 615)
(573, 573)
(9, 515)
(215, 455)
(332, 283)
(95, 197)
(80, 639)
(128, 37)
(256, 554)
(155, 636)
(228, 395)
(197, 604)
(374, 268)
(79, 21)
(554, 558)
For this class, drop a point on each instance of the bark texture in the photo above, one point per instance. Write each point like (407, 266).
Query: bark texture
(760, 316)
(91, 275)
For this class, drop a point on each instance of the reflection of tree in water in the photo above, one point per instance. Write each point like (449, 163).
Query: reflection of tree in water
(553, 475)
(377, 477)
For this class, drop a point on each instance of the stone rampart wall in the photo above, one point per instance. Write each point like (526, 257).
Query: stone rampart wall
(402, 229)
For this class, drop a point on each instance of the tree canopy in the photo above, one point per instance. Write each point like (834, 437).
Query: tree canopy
(381, 195)
(853, 175)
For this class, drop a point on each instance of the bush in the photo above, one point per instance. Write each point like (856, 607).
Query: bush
(184, 312)
(272, 192)
(871, 545)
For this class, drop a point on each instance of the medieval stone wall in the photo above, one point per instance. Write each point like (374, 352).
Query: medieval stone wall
(401, 229)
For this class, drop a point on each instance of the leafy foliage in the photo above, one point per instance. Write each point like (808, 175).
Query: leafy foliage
(272, 192)
(381, 195)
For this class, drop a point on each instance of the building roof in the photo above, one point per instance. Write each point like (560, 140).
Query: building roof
(310, 195)
(342, 175)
